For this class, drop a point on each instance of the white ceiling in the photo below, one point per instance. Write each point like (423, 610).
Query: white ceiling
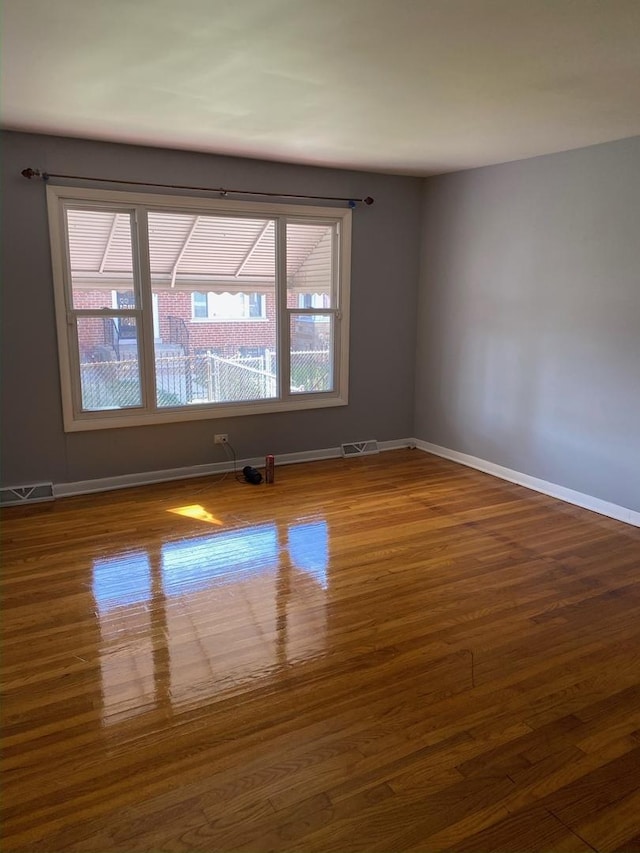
(410, 86)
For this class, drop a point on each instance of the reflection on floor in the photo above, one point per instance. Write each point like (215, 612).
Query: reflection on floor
(269, 578)
(385, 653)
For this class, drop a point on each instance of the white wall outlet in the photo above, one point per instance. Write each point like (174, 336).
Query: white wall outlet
(221, 438)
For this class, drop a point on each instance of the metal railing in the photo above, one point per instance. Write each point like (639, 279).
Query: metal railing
(311, 370)
(188, 380)
(179, 333)
(110, 385)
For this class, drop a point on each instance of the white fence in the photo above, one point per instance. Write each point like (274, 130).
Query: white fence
(185, 380)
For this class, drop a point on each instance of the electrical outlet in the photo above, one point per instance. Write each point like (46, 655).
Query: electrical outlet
(221, 438)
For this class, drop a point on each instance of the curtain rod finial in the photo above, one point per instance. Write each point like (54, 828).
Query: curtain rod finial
(30, 173)
(368, 200)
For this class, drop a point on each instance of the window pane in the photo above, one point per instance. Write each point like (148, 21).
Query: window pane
(228, 306)
(109, 364)
(101, 259)
(309, 265)
(200, 306)
(256, 305)
(311, 353)
(213, 277)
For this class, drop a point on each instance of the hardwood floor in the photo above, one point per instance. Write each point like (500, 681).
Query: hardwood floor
(381, 654)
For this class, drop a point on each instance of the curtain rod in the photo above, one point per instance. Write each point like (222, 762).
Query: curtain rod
(36, 173)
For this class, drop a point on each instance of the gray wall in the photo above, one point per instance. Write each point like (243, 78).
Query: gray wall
(528, 351)
(528, 333)
(384, 283)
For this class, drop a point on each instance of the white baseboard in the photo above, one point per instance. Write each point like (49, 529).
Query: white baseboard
(126, 481)
(396, 444)
(620, 513)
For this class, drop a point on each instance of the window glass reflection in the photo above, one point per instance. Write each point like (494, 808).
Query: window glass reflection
(121, 580)
(122, 591)
(203, 616)
(222, 558)
(309, 549)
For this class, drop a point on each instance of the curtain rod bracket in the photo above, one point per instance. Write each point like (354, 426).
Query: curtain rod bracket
(34, 173)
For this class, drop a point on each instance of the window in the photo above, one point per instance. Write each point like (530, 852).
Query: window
(228, 306)
(200, 306)
(313, 300)
(174, 308)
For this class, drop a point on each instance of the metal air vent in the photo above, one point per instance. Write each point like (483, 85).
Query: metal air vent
(36, 493)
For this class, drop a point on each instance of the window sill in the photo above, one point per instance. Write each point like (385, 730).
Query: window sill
(117, 419)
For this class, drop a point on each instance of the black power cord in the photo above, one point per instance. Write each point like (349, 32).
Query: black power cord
(250, 476)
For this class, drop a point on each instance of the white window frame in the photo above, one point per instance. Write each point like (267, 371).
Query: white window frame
(156, 315)
(211, 318)
(59, 198)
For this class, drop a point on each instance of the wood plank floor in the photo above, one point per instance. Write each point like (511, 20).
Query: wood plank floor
(381, 654)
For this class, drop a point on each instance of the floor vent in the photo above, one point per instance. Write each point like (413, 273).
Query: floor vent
(360, 448)
(12, 495)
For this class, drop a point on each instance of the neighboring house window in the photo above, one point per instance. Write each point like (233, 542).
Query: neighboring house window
(256, 305)
(149, 291)
(228, 306)
(313, 300)
(200, 306)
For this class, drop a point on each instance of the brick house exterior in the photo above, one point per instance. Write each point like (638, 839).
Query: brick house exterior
(225, 338)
